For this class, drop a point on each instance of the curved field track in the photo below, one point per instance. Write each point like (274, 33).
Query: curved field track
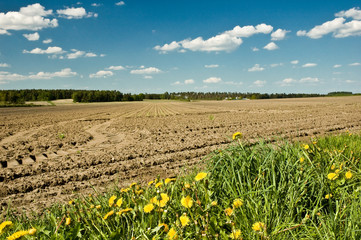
(48, 154)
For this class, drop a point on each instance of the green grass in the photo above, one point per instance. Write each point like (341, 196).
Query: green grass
(281, 185)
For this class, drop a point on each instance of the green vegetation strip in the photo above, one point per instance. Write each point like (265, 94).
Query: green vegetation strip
(260, 191)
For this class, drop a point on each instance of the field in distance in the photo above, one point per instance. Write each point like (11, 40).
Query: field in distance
(49, 153)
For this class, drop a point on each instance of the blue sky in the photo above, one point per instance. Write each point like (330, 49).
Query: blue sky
(156, 46)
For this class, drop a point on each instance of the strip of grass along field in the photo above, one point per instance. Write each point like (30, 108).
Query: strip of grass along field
(259, 191)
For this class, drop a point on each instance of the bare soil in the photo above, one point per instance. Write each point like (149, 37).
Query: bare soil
(49, 154)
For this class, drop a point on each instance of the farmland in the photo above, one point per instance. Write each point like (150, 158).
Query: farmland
(50, 153)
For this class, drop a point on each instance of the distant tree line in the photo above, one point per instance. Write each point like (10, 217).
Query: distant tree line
(20, 96)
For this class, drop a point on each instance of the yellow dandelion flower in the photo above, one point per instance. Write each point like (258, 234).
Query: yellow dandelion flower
(236, 234)
(184, 220)
(305, 146)
(124, 190)
(98, 206)
(92, 206)
(333, 167)
(258, 226)
(124, 211)
(150, 183)
(236, 135)
(148, 208)
(332, 176)
(228, 211)
(237, 203)
(172, 234)
(187, 202)
(4, 225)
(111, 200)
(328, 196)
(200, 176)
(108, 215)
(162, 202)
(158, 184)
(67, 221)
(32, 231)
(214, 203)
(348, 175)
(139, 192)
(302, 160)
(166, 228)
(187, 185)
(168, 180)
(119, 202)
(18, 234)
(71, 202)
(337, 171)
(131, 185)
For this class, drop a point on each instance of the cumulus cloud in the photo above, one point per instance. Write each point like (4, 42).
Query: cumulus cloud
(279, 34)
(75, 13)
(31, 17)
(189, 81)
(309, 80)
(143, 70)
(121, 3)
(212, 80)
(32, 36)
(101, 74)
(294, 62)
(77, 54)
(271, 46)
(288, 81)
(309, 65)
(47, 41)
(49, 50)
(226, 41)
(211, 66)
(255, 68)
(116, 68)
(355, 64)
(338, 27)
(64, 73)
(5, 65)
(254, 49)
(259, 83)
(337, 66)
(96, 4)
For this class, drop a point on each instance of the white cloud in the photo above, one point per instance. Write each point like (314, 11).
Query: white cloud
(259, 83)
(101, 74)
(350, 81)
(294, 62)
(233, 83)
(116, 68)
(255, 68)
(75, 54)
(339, 27)
(355, 64)
(211, 66)
(32, 36)
(309, 65)
(287, 82)
(66, 72)
(75, 13)
(47, 41)
(226, 41)
(96, 4)
(271, 46)
(354, 13)
(309, 80)
(121, 3)
(189, 81)
(31, 17)
(168, 47)
(337, 66)
(90, 54)
(4, 65)
(279, 34)
(254, 49)
(49, 50)
(143, 70)
(212, 80)
(177, 83)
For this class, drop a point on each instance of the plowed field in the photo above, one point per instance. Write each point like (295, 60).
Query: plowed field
(48, 154)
